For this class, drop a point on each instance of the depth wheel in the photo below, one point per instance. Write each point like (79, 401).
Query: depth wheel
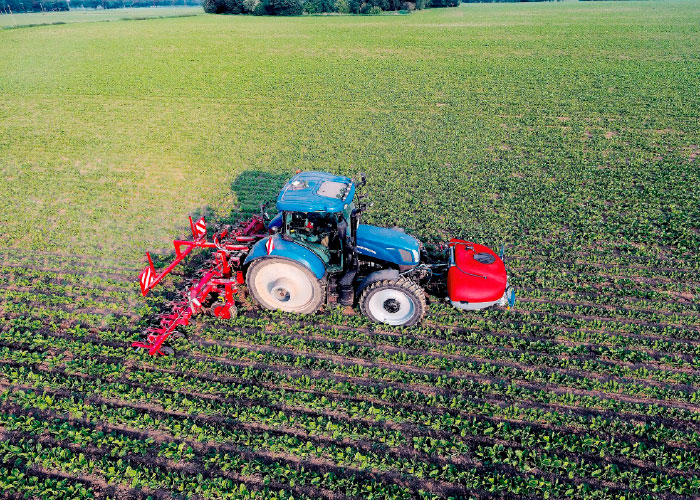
(223, 312)
(232, 312)
(284, 285)
(399, 302)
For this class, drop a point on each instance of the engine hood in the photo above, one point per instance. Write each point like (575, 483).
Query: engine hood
(388, 245)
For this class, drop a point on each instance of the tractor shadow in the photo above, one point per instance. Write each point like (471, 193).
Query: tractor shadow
(250, 189)
(253, 188)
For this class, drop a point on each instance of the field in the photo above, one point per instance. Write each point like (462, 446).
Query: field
(88, 16)
(567, 131)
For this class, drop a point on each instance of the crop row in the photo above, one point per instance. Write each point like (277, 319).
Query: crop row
(485, 332)
(466, 387)
(27, 453)
(583, 344)
(613, 300)
(591, 273)
(455, 364)
(576, 357)
(458, 367)
(229, 388)
(586, 358)
(495, 455)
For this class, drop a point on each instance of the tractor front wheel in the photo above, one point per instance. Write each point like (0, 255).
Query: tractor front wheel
(284, 285)
(399, 302)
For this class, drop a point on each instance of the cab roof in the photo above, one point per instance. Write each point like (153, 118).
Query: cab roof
(316, 192)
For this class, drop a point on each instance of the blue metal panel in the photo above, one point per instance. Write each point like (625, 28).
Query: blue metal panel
(287, 250)
(301, 194)
(385, 244)
(276, 222)
(383, 274)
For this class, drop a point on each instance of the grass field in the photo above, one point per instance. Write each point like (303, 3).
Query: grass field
(88, 16)
(569, 131)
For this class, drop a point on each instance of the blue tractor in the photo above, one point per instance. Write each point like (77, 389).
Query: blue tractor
(319, 252)
(315, 251)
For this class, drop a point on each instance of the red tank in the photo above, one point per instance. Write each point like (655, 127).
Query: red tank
(477, 276)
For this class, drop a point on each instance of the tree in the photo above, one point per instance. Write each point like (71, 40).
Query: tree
(444, 3)
(214, 6)
(285, 7)
(317, 6)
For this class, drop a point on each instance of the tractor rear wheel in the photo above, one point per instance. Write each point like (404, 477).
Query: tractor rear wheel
(399, 302)
(284, 285)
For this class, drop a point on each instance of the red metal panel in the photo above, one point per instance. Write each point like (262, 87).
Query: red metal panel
(471, 281)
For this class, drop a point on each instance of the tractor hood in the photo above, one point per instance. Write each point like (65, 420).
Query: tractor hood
(388, 245)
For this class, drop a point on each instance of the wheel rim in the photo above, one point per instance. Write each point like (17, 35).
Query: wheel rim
(391, 306)
(284, 286)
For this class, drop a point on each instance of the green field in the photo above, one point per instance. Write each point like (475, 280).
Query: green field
(568, 131)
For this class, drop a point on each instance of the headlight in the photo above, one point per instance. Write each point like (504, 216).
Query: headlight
(406, 256)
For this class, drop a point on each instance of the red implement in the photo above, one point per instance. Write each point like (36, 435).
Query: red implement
(220, 279)
(476, 277)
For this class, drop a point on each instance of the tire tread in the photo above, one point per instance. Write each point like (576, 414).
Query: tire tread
(403, 283)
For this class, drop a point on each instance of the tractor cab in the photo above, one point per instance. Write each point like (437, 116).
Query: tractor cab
(318, 211)
(317, 192)
(315, 210)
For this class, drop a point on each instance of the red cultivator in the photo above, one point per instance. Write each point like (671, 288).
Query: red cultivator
(220, 277)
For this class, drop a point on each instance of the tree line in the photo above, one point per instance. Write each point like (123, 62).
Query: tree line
(257, 7)
(298, 7)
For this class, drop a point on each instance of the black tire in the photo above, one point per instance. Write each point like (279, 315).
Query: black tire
(399, 302)
(284, 285)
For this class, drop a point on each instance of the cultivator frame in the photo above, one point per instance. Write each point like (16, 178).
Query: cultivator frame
(220, 277)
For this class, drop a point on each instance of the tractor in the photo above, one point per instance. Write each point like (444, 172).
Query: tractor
(315, 251)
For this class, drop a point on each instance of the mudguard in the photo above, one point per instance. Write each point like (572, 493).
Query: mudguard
(276, 246)
(382, 274)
